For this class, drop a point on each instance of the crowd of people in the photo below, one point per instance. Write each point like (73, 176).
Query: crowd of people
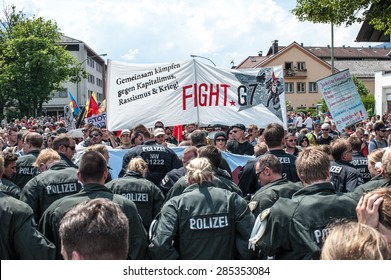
(307, 191)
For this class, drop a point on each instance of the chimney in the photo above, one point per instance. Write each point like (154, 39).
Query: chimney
(370, 47)
(260, 53)
(328, 46)
(343, 46)
(301, 44)
(275, 46)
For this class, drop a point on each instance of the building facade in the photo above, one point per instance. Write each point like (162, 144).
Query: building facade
(303, 66)
(94, 65)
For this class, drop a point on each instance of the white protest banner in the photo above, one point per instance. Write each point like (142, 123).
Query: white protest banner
(193, 92)
(342, 99)
(97, 120)
(68, 116)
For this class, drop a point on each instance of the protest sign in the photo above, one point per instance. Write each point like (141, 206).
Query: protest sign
(193, 92)
(68, 116)
(342, 99)
(97, 120)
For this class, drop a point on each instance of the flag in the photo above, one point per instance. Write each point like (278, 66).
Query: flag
(102, 107)
(93, 108)
(73, 104)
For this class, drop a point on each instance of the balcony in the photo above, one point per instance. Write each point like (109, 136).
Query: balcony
(295, 73)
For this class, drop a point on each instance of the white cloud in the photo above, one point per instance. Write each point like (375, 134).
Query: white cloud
(153, 31)
(131, 55)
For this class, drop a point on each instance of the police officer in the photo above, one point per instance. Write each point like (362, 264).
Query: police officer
(159, 158)
(204, 222)
(92, 174)
(5, 185)
(275, 141)
(65, 145)
(221, 178)
(359, 161)
(145, 194)
(174, 175)
(57, 181)
(344, 176)
(24, 165)
(269, 173)
(296, 227)
(19, 237)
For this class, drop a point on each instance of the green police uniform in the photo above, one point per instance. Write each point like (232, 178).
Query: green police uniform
(56, 182)
(10, 188)
(205, 222)
(50, 220)
(219, 181)
(266, 196)
(19, 237)
(296, 227)
(25, 170)
(376, 182)
(145, 194)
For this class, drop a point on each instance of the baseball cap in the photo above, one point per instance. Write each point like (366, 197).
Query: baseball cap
(125, 131)
(240, 126)
(325, 126)
(379, 126)
(158, 131)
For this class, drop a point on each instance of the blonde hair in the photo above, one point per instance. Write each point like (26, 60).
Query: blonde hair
(139, 165)
(199, 170)
(100, 148)
(375, 159)
(386, 163)
(46, 156)
(260, 149)
(354, 241)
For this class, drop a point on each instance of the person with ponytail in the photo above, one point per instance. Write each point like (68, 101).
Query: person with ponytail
(204, 222)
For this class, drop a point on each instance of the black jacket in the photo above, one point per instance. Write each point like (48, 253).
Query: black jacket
(160, 160)
(344, 176)
(248, 181)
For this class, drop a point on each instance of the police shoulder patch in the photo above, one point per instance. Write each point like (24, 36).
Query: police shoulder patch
(258, 229)
(253, 205)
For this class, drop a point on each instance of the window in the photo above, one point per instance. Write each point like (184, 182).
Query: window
(99, 97)
(63, 93)
(288, 65)
(99, 68)
(301, 65)
(300, 87)
(99, 82)
(90, 62)
(91, 79)
(289, 88)
(313, 87)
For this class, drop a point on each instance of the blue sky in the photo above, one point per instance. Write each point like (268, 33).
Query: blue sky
(157, 31)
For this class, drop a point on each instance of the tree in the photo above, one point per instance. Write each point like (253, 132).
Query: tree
(338, 12)
(33, 63)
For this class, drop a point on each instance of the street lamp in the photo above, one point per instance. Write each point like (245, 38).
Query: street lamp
(77, 81)
(193, 55)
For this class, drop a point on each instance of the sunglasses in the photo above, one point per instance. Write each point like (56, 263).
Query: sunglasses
(70, 147)
(234, 131)
(325, 129)
(382, 130)
(94, 135)
(220, 140)
(260, 172)
(292, 140)
(158, 126)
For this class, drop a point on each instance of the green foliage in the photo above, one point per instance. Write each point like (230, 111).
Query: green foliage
(33, 63)
(339, 12)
